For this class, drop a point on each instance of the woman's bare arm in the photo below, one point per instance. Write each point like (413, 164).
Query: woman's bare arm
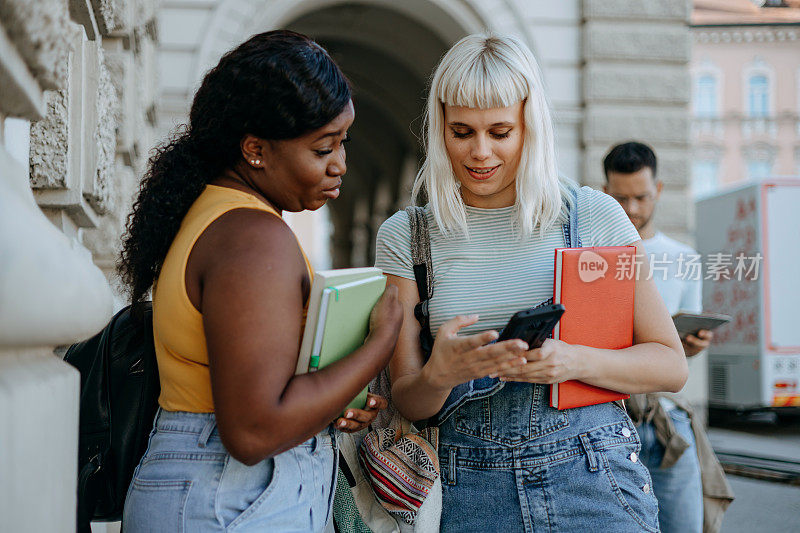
(252, 276)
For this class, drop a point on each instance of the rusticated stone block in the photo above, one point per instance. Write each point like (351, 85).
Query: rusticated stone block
(70, 150)
(100, 195)
(116, 68)
(662, 10)
(672, 211)
(661, 42)
(674, 168)
(123, 15)
(49, 143)
(104, 241)
(146, 73)
(104, 13)
(607, 125)
(40, 31)
(665, 83)
(144, 12)
(122, 73)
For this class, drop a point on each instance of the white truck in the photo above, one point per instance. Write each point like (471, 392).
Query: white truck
(749, 240)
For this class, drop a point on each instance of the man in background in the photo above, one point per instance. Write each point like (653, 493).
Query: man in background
(664, 421)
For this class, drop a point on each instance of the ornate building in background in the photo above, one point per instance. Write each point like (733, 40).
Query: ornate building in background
(746, 92)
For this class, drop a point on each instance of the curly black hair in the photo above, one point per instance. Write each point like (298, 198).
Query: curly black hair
(277, 85)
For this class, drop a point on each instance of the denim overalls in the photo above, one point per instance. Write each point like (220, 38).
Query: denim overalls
(510, 462)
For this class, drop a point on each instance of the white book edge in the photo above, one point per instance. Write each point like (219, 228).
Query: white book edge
(557, 289)
(320, 326)
(323, 279)
(556, 329)
(351, 284)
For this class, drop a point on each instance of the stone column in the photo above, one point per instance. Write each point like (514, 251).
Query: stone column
(50, 292)
(65, 189)
(636, 86)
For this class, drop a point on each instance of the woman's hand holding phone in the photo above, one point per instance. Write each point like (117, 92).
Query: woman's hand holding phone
(457, 359)
(555, 361)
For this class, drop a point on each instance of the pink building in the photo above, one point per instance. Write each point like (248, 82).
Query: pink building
(745, 91)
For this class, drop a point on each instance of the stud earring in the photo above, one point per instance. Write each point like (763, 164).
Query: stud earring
(255, 162)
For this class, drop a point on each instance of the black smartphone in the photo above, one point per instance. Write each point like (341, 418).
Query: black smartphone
(532, 325)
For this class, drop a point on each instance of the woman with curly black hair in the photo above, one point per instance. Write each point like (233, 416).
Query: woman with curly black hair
(239, 440)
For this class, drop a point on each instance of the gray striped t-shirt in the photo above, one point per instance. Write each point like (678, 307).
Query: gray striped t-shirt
(495, 273)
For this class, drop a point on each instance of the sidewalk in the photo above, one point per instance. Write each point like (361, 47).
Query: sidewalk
(760, 505)
(758, 436)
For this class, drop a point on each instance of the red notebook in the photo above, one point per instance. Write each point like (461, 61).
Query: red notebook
(596, 285)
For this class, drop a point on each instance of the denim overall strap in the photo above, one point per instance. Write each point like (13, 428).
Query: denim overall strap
(486, 386)
(571, 235)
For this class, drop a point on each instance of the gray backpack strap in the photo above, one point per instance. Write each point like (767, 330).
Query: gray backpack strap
(423, 274)
(421, 251)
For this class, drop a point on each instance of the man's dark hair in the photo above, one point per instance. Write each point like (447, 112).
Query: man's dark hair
(629, 157)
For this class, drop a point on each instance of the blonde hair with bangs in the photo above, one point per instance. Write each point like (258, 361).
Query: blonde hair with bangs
(487, 71)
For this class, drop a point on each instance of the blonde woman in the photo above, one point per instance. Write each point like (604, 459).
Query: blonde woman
(497, 209)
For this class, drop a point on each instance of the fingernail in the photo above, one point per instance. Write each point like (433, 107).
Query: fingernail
(523, 360)
(342, 424)
(372, 403)
(349, 414)
(493, 375)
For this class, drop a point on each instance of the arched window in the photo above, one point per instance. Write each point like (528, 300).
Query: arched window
(758, 96)
(706, 96)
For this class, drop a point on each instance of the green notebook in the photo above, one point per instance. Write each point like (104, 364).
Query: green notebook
(343, 324)
(322, 279)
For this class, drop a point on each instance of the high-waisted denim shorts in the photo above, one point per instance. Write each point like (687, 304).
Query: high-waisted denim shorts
(188, 482)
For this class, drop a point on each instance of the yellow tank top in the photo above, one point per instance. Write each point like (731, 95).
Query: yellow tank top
(180, 340)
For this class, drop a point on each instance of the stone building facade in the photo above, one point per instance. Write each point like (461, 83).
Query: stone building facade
(82, 104)
(77, 110)
(613, 69)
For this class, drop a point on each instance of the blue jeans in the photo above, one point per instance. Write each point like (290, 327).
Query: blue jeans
(679, 488)
(187, 482)
(511, 463)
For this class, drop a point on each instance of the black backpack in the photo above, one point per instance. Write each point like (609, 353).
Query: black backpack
(119, 398)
